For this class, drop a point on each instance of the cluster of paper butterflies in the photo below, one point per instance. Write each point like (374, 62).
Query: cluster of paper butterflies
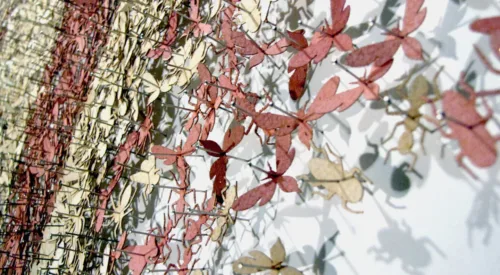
(95, 92)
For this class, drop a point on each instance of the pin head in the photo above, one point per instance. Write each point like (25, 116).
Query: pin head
(440, 115)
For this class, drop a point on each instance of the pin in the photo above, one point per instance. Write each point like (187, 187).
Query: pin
(154, 235)
(186, 17)
(92, 237)
(92, 207)
(65, 214)
(217, 86)
(147, 14)
(165, 63)
(347, 71)
(202, 213)
(217, 41)
(39, 24)
(168, 105)
(129, 252)
(205, 101)
(99, 120)
(178, 188)
(138, 36)
(178, 154)
(139, 170)
(226, 155)
(260, 49)
(234, 5)
(257, 168)
(54, 268)
(85, 251)
(275, 28)
(283, 111)
(315, 29)
(174, 269)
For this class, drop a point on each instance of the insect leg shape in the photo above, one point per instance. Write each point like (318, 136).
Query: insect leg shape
(327, 196)
(357, 172)
(344, 205)
(460, 158)
(414, 161)
(422, 136)
(389, 154)
(339, 160)
(393, 132)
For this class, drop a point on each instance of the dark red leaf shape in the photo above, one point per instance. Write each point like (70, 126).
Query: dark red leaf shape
(414, 17)
(283, 125)
(297, 39)
(256, 60)
(486, 25)
(495, 43)
(164, 153)
(226, 83)
(244, 46)
(490, 26)
(347, 98)
(192, 138)
(297, 83)
(117, 253)
(141, 254)
(325, 101)
(283, 161)
(343, 42)
(212, 148)
(99, 215)
(278, 47)
(317, 51)
(378, 72)
(289, 184)
(204, 73)
(340, 15)
(264, 193)
(233, 137)
(218, 170)
(412, 48)
(380, 53)
(305, 134)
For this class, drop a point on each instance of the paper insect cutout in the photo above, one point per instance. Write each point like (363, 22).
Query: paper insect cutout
(141, 255)
(328, 35)
(122, 208)
(148, 176)
(218, 169)
(250, 14)
(491, 27)
(297, 84)
(380, 53)
(366, 87)
(225, 219)
(332, 177)
(265, 192)
(468, 127)
(258, 262)
(80, 81)
(199, 28)
(417, 96)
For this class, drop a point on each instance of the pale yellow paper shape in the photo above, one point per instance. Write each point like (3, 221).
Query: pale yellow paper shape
(259, 262)
(250, 15)
(149, 178)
